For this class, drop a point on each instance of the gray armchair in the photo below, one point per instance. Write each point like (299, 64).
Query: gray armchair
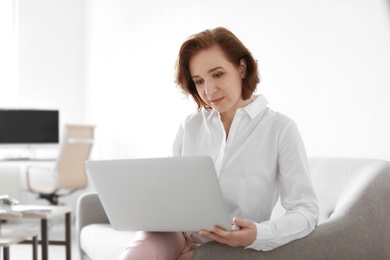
(354, 218)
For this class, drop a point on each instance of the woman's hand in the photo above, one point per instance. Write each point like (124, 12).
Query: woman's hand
(243, 237)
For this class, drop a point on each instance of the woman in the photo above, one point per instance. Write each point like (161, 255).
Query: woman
(258, 153)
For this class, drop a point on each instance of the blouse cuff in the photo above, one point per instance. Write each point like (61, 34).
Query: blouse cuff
(264, 236)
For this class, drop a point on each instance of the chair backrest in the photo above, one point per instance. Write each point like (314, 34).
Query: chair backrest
(340, 182)
(75, 150)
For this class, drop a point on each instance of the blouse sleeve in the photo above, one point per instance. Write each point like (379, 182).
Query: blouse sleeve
(297, 195)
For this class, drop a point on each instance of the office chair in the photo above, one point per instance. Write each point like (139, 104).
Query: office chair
(68, 174)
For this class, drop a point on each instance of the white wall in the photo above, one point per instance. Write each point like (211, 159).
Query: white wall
(324, 63)
(8, 54)
(51, 56)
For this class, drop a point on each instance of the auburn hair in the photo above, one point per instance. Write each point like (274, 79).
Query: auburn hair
(234, 51)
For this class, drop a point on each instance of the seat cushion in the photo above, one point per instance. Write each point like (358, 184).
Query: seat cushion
(102, 242)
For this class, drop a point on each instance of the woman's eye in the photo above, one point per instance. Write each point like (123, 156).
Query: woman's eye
(198, 82)
(218, 75)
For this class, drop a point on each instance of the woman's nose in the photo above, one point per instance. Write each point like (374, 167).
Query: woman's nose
(210, 88)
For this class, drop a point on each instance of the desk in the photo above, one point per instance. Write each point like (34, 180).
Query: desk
(44, 215)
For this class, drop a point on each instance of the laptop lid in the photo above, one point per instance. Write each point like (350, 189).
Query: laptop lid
(160, 194)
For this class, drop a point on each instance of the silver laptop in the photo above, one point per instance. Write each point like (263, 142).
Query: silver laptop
(160, 194)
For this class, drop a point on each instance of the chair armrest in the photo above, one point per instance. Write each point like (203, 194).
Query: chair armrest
(332, 240)
(89, 210)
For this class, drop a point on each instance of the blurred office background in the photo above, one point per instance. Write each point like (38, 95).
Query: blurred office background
(110, 63)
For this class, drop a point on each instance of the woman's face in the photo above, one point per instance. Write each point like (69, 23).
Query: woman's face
(217, 80)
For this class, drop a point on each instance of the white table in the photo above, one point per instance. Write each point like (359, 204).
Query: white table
(44, 213)
(10, 237)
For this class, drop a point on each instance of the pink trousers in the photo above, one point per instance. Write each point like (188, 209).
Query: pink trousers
(159, 246)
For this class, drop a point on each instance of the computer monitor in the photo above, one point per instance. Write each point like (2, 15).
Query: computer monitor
(29, 127)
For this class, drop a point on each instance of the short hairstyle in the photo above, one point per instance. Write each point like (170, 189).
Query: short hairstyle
(234, 51)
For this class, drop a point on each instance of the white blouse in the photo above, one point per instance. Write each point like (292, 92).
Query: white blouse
(263, 158)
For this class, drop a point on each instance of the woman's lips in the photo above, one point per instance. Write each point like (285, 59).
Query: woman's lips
(216, 101)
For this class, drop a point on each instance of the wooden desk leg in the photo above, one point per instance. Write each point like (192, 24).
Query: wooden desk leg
(34, 247)
(68, 236)
(45, 241)
(6, 253)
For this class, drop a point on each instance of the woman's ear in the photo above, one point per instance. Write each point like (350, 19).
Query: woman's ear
(242, 68)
